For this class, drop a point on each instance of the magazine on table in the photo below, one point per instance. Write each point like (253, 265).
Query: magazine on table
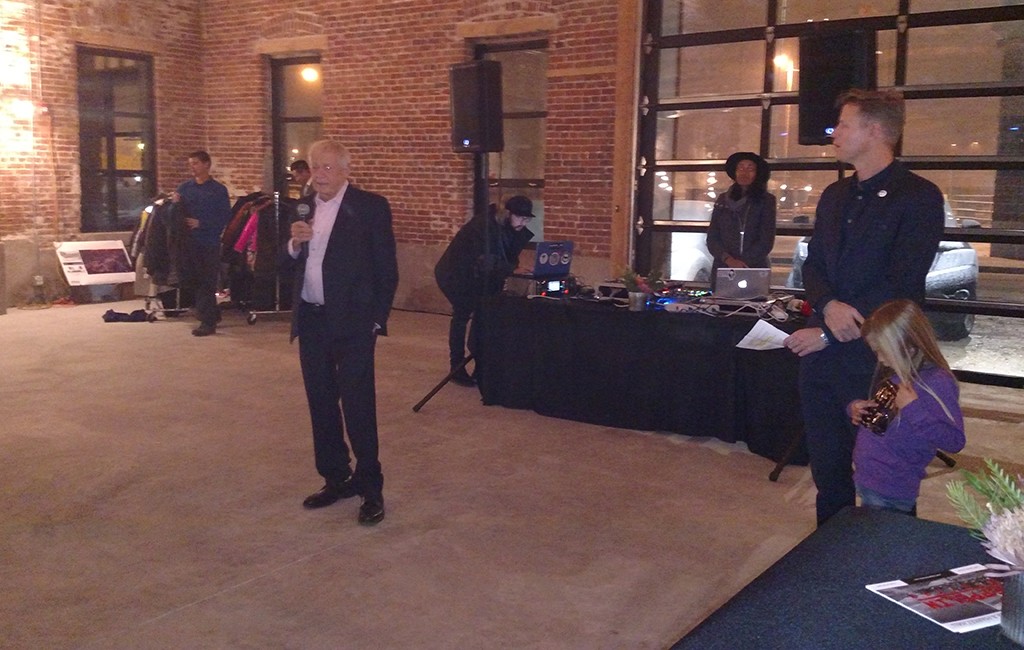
(960, 599)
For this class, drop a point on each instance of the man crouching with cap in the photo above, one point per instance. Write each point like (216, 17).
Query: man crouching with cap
(475, 265)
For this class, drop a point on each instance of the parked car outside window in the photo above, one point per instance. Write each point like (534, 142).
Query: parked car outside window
(953, 275)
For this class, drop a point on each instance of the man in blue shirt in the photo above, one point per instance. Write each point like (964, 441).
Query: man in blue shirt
(207, 210)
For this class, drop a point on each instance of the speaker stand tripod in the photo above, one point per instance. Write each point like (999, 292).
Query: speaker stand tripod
(480, 206)
(441, 384)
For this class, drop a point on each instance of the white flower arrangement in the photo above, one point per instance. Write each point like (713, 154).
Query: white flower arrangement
(1004, 533)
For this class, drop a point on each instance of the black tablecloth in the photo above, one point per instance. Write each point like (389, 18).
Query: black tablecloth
(653, 370)
(814, 597)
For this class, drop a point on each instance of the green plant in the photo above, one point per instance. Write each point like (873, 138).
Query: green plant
(637, 283)
(1000, 521)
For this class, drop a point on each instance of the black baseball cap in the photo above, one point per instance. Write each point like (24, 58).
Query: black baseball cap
(520, 206)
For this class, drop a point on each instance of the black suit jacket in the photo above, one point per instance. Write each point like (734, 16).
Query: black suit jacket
(360, 268)
(890, 251)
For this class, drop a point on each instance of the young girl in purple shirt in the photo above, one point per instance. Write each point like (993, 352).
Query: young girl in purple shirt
(889, 465)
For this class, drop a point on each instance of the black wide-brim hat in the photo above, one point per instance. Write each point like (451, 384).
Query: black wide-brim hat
(763, 172)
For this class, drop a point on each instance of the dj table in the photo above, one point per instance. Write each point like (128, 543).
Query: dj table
(653, 370)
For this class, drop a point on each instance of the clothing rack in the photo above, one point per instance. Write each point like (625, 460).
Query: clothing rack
(155, 303)
(252, 243)
(155, 253)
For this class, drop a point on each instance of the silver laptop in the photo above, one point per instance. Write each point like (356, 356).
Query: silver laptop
(743, 284)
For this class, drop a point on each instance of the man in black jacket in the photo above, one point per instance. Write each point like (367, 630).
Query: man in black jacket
(342, 249)
(475, 265)
(875, 236)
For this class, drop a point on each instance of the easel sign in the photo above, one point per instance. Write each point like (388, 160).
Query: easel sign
(94, 262)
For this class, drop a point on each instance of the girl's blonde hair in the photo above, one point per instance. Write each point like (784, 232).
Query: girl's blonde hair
(900, 332)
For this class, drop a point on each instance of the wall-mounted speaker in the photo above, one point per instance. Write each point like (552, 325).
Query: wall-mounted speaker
(831, 64)
(476, 107)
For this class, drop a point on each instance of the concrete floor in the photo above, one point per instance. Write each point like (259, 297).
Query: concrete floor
(152, 484)
(994, 345)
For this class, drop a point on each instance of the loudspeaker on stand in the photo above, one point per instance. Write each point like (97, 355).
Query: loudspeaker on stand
(831, 64)
(476, 107)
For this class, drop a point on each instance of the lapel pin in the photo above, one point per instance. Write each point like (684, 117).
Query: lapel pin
(881, 194)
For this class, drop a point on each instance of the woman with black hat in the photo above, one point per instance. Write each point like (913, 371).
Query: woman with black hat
(742, 230)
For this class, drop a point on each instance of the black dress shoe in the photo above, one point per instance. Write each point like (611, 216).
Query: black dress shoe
(372, 510)
(204, 330)
(331, 492)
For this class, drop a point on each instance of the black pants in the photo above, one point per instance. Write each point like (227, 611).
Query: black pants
(829, 381)
(201, 280)
(340, 368)
(465, 305)
(462, 318)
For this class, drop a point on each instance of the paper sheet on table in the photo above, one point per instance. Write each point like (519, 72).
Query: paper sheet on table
(763, 336)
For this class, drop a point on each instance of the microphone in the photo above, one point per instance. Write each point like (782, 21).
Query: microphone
(302, 210)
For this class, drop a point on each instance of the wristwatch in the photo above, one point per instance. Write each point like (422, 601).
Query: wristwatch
(824, 338)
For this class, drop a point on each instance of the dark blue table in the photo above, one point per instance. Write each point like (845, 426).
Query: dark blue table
(814, 597)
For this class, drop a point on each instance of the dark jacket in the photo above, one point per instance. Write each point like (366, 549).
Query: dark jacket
(164, 243)
(360, 268)
(890, 251)
(465, 271)
(756, 218)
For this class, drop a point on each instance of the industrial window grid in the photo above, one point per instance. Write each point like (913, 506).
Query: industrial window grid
(654, 42)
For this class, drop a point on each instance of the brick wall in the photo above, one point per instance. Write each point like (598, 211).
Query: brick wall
(23, 157)
(180, 89)
(581, 125)
(385, 75)
(385, 72)
(41, 195)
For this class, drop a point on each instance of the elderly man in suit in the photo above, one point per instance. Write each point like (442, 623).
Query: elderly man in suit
(875, 236)
(343, 249)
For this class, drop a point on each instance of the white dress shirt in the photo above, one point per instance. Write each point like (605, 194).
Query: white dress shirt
(323, 223)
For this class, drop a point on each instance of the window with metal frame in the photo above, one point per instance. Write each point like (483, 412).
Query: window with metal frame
(519, 169)
(297, 115)
(116, 138)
